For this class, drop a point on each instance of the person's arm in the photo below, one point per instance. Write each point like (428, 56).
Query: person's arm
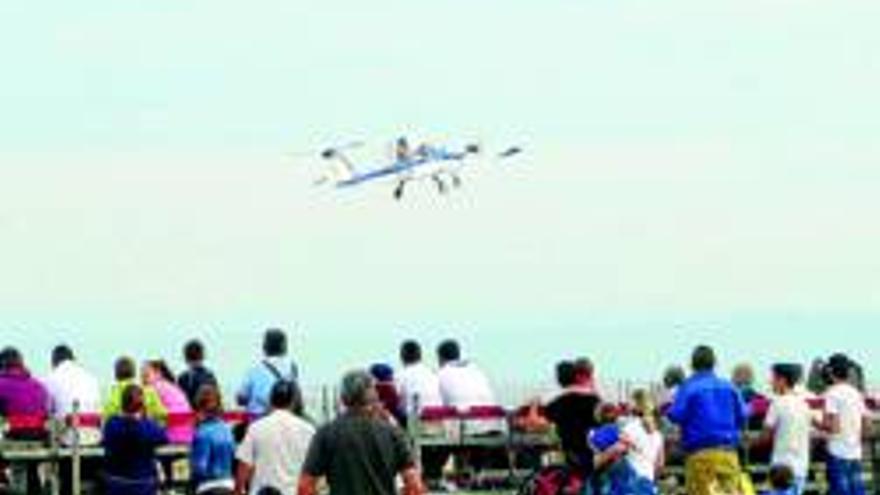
(308, 485)
(243, 396)
(243, 476)
(830, 422)
(610, 455)
(412, 482)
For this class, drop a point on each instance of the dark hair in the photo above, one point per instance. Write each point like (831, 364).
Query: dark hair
(789, 372)
(703, 358)
(208, 400)
(132, 399)
(839, 367)
(162, 367)
(673, 376)
(382, 372)
(448, 350)
(61, 353)
(565, 373)
(286, 395)
(410, 352)
(11, 358)
(269, 490)
(781, 477)
(194, 351)
(124, 369)
(275, 342)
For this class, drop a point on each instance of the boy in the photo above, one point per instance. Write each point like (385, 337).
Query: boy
(788, 424)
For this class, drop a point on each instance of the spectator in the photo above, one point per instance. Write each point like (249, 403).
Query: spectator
(124, 372)
(130, 442)
(645, 445)
(358, 452)
(711, 414)
(845, 421)
(213, 447)
(743, 379)
(387, 390)
(196, 374)
(574, 412)
(21, 395)
(274, 449)
(673, 377)
(788, 425)
(818, 380)
(157, 375)
(71, 387)
(418, 385)
(275, 366)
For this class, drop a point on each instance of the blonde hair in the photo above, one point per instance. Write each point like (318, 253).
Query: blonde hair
(644, 407)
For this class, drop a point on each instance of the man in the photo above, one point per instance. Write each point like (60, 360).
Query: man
(574, 412)
(788, 424)
(846, 419)
(196, 374)
(711, 413)
(275, 446)
(359, 453)
(69, 385)
(124, 371)
(21, 395)
(275, 366)
(417, 384)
(463, 385)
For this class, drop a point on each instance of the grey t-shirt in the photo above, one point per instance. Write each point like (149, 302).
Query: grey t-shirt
(359, 455)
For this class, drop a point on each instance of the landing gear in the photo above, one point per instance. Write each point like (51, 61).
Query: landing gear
(398, 191)
(441, 186)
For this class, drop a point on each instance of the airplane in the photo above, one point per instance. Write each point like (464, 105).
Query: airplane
(439, 164)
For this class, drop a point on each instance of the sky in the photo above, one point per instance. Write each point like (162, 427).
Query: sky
(695, 172)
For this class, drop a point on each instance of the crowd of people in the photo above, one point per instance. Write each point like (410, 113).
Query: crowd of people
(607, 449)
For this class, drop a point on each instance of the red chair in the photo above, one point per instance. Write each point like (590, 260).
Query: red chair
(85, 420)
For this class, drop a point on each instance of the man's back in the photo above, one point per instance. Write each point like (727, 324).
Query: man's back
(276, 447)
(194, 378)
(463, 385)
(70, 383)
(574, 415)
(359, 455)
(710, 412)
(846, 403)
(419, 384)
(258, 382)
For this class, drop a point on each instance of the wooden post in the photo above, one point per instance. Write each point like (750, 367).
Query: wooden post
(75, 453)
(55, 431)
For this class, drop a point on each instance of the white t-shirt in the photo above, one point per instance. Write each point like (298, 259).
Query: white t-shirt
(645, 449)
(847, 403)
(463, 385)
(276, 447)
(418, 384)
(69, 383)
(790, 418)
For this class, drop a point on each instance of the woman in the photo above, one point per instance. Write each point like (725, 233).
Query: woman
(130, 442)
(156, 374)
(213, 447)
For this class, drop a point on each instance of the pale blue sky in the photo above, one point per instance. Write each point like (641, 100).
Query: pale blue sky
(696, 170)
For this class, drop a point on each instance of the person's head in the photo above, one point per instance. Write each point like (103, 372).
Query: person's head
(703, 359)
(448, 352)
(743, 376)
(784, 377)
(124, 369)
(839, 368)
(60, 354)
(382, 372)
(155, 370)
(286, 396)
(565, 373)
(358, 390)
(673, 376)
(410, 352)
(269, 490)
(644, 407)
(132, 400)
(194, 352)
(781, 477)
(208, 401)
(583, 371)
(275, 343)
(12, 359)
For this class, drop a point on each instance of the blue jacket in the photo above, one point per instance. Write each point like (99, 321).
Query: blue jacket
(212, 453)
(710, 412)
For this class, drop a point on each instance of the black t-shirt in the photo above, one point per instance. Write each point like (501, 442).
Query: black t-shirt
(359, 455)
(191, 380)
(574, 414)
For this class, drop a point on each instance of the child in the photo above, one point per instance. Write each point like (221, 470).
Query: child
(782, 480)
(788, 424)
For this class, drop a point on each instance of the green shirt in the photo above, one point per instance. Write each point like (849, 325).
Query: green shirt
(153, 405)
